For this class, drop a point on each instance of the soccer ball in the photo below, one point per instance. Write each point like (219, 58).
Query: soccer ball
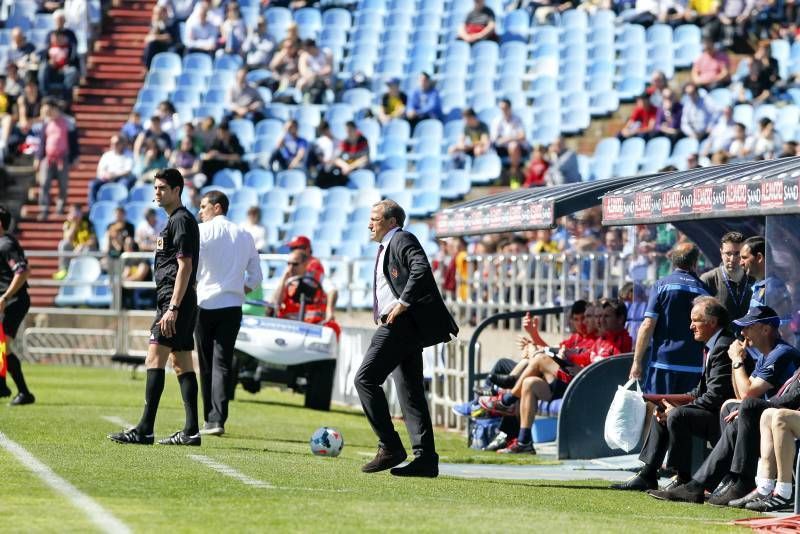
(326, 442)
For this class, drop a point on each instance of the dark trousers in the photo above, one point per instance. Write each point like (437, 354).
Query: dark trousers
(215, 334)
(394, 348)
(676, 437)
(737, 450)
(509, 425)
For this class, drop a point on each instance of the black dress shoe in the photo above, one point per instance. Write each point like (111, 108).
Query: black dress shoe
(385, 459)
(504, 381)
(421, 466)
(737, 490)
(689, 492)
(674, 482)
(637, 482)
(723, 486)
(22, 399)
(750, 497)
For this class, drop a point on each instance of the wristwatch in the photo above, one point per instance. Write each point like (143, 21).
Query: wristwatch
(736, 365)
(173, 307)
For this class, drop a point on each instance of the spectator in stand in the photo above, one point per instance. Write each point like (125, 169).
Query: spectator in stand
(244, 100)
(712, 68)
(563, 164)
(202, 34)
(185, 158)
(789, 149)
(321, 155)
(474, 141)
(734, 19)
(154, 132)
(756, 87)
(115, 165)
(721, 134)
(136, 271)
(697, 115)
(291, 150)
(6, 102)
(728, 282)
(668, 117)
(642, 119)
(766, 143)
(479, 24)
(15, 83)
(545, 11)
(233, 31)
(508, 140)
(170, 121)
(58, 148)
(675, 359)
(544, 243)
(21, 52)
(738, 147)
(180, 10)
(225, 152)
(393, 102)
(57, 75)
(207, 133)
(658, 82)
(648, 12)
(163, 36)
(60, 26)
(769, 65)
(536, 170)
(353, 153)
(149, 161)
(48, 6)
(252, 225)
(148, 231)
(132, 127)
(425, 102)
(703, 13)
(18, 125)
(315, 67)
(285, 64)
(77, 236)
(674, 424)
(259, 46)
(455, 272)
(117, 232)
(293, 34)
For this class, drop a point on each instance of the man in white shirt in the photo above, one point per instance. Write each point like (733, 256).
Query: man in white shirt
(229, 268)
(116, 164)
(148, 231)
(201, 33)
(508, 139)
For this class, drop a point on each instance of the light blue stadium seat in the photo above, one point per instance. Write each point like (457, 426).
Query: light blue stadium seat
(456, 185)
(278, 19)
(348, 249)
(337, 18)
(391, 181)
(575, 18)
(334, 216)
(485, 169)
(269, 127)
(292, 180)
(305, 215)
(656, 154)
(227, 191)
(192, 80)
(312, 197)
(160, 80)
(307, 114)
(237, 213)
(683, 148)
(744, 113)
(275, 198)
(326, 233)
(394, 161)
(212, 110)
(340, 197)
(244, 196)
(152, 95)
(632, 148)
(81, 269)
(101, 213)
(603, 103)
(186, 96)
(278, 111)
(601, 169)
(428, 181)
(516, 26)
(135, 210)
(608, 148)
(244, 130)
(141, 193)
(425, 204)
(630, 88)
(228, 178)
(113, 192)
(361, 179)
(360, 215)
(199, 62)
(271, 215)
(626, 167)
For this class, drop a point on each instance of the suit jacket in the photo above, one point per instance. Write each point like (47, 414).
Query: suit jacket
(791, 396)
(406, 268)
(716, 383)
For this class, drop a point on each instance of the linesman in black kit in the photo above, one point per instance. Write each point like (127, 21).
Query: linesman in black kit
(171, 336)
(14, 304)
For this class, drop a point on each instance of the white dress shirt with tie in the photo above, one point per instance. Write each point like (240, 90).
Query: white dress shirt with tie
(386, 299)
(228, 262)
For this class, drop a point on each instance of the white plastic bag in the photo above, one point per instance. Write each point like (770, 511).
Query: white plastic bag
(626, 417)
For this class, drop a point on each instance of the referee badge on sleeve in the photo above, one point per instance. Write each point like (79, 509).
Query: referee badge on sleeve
(393, 272)
(160, 243)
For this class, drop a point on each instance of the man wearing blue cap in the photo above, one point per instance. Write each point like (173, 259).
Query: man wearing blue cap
(734, 456)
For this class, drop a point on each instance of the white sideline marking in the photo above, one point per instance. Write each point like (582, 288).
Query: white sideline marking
(104, 519)
(119, 421)
(230, 472)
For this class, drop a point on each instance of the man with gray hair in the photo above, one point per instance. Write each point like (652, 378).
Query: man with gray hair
(410, 315)
(679, 417)
(676, 358)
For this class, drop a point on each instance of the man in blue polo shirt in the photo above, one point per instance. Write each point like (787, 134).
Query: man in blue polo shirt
(675, 358)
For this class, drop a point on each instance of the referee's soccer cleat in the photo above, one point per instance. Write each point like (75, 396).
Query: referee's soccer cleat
(4, 391)
(22, 399)
(131, 437)
(181, 438)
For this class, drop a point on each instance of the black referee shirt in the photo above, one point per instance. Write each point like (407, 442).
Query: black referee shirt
(179, 239)
(12, 261)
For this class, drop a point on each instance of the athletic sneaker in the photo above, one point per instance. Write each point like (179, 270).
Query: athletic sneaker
(515, 447)
(181, 438)
(500, 441)
(772, 503)
(212, 429)
(131, 437)
(465, 409)
(495, 407)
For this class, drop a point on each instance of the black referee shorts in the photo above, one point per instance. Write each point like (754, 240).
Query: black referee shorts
(15, 313)
(183, 340)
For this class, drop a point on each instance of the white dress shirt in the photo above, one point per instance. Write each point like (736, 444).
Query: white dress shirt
(386, 299)
(228, 262)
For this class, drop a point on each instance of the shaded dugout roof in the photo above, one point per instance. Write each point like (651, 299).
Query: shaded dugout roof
(524, 209)
(750, 189)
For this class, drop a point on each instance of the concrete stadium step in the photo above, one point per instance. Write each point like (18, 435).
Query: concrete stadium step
(87, 118)
(107, 92)
(114, 59)
(134, 70)
(101, 109)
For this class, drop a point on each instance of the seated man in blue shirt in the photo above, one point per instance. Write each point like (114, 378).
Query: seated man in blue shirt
(675, 358)
(734, 458)
(425, 102)
(291, 150)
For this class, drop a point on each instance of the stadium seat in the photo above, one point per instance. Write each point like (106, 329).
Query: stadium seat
(361, 179)
(292, 181)
(313, 197)
(81, 269)
(244, 196)
(339, 196)
(485, 169)
(227, 178)
(113, 192)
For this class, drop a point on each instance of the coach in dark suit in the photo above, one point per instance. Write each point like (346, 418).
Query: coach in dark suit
(673, 426)
(411, 315)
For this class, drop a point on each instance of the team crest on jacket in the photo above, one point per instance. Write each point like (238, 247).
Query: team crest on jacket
(393, 272)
